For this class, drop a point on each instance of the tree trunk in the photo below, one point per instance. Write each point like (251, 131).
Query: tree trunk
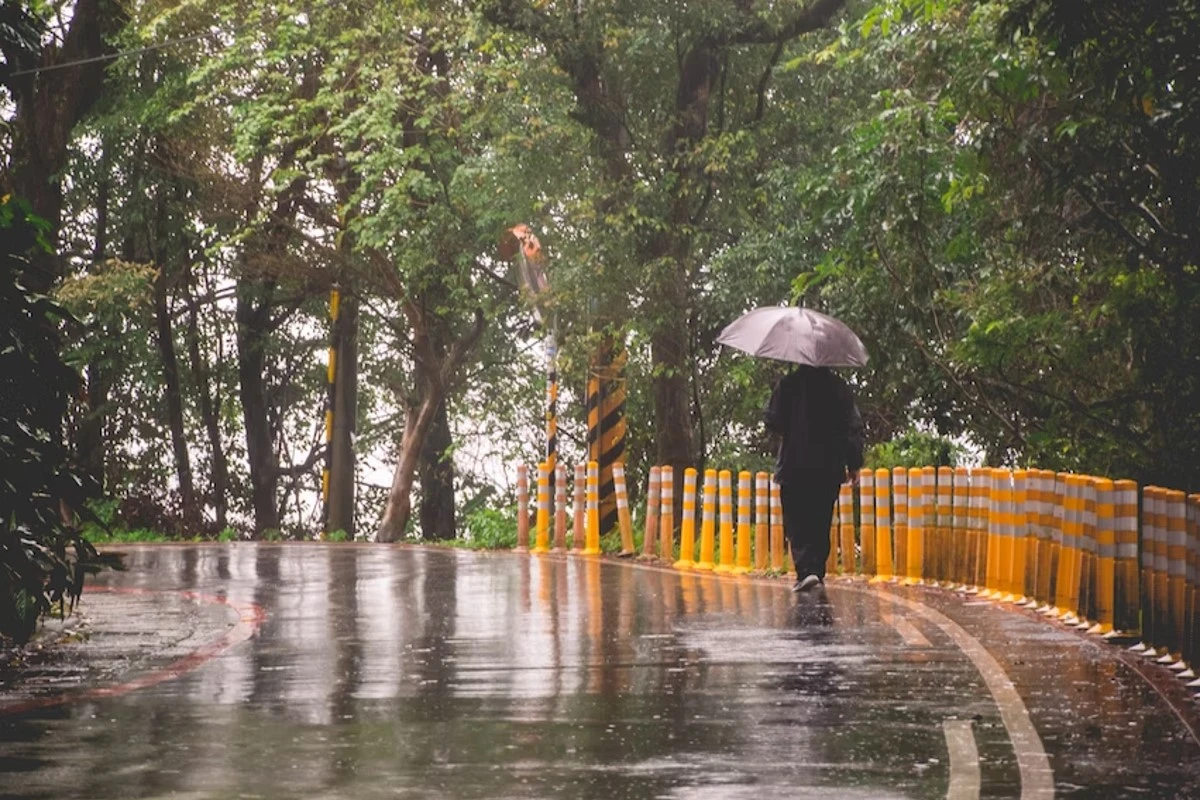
(208, 413)
(253, 331)
(345, 411)
(174, 393)
(417, 421)
(437, 479)
(89, 438)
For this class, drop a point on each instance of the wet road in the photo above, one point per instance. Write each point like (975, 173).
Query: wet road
(342, 671)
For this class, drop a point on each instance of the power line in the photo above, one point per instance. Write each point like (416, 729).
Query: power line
(109, 56)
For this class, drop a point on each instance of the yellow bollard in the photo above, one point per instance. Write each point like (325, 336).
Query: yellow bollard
(1069, 554)
(743, 524)
(541, 542)
(1149, 557)
(946, 544)
(624, 522)
(914, 569)
(1191, 647)
(560, 508)
(1020, 537)
(1088, 548)
(762, 524)
(994, 536)
(725, 509)
(579, 530)
(1042, 518)
(708, 520)
(979, 495)
(1056, 496)
(687, 532)
(1127, 593)
(883, 526)
(846, 522)
(866, 506)
(1106, 556)
(1002, 484)
(522, 508)
(777, 555)
(666, 514)
(650, 535)
(960, 571)
(900, 520)
(593, 510)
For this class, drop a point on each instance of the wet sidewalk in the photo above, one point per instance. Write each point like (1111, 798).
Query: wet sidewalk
(346, 671)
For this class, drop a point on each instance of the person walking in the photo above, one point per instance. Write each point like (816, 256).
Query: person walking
(821, 446)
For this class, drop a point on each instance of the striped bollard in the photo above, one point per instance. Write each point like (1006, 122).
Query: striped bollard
(650, 535)
(914, 567)
(1106, 557)
(579, 530)
(593, 510)
(978, 505)
(1191, 646)
(623, 519)
(883, 527)
(687, 531)
(831, 556)
(960, 567)
(1126, 591)
(708, 519)
(1175, 506)
(762, 525)
(725, 511)
(1070, 556)
(1020, 522)
(1148, 566)
(666, 514)
(994, 537)
(560, 508)
(1056, 489)
(522, 508)
(945, 557)
(743, 524)
(541, 542)
(1088, 547)
(900, 521)
(777, 548)
(846, 527)
(866, 506)
(1041, 512)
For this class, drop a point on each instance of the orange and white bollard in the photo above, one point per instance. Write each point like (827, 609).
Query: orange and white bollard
(725, 510)
(846, 526)
(687, 531)
(743, 524)
(900, 520)
(1106, 557)
(1175, 506)
(593, 510)
(776, 509)
(708, 519)
(653, 500)
(579, 530)
(959, 531)
(945, 543)
(1020, 522)
(666, 514)
(1126, 590)
(560, 508)
(522, 508)
(914, 567)
(866, 506)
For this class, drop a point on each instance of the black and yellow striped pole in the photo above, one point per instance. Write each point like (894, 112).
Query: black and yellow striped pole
(335, 298)
(551, 404)
(606, 424)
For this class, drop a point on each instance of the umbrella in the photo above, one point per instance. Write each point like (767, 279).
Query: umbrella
(799, 335)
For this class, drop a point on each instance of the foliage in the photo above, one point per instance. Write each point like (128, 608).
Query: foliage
(491, 528)
(43, 557)
(914, 449)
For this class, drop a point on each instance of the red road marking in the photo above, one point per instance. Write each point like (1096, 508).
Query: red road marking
(250, 619)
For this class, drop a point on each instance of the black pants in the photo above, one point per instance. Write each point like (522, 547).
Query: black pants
(807, 514)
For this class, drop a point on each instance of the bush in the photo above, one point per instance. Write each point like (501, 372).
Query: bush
(491, 529)
(914, 449)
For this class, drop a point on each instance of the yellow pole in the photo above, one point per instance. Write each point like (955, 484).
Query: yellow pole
(777, 555)
(1106, 556)
(708, 521)
(593, 510)
(650, 536)
(866, 505)
(522, 508)
(1127, 600)
(914, 569)
(977, 522)
(961, 569)
(1088, 549)
(687, 532)
(725, 494)
(1069, 552)
(994, 535)
(846, 520)
(1191, 647)
(623, 519)
(883, 526)
(943, 525)
(900, 521)
(666, 514)
(743, 524)
(1149, 568)
(542, 539)
(1175, 506)
(762, 526)
(1020, 536)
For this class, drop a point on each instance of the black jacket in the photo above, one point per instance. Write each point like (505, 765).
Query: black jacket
(821, 431)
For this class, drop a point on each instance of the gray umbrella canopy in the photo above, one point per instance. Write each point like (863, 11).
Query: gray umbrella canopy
(798, 335)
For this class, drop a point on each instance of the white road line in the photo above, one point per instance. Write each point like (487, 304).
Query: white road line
(965, 779)
(908, 632)
(1037, 779)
